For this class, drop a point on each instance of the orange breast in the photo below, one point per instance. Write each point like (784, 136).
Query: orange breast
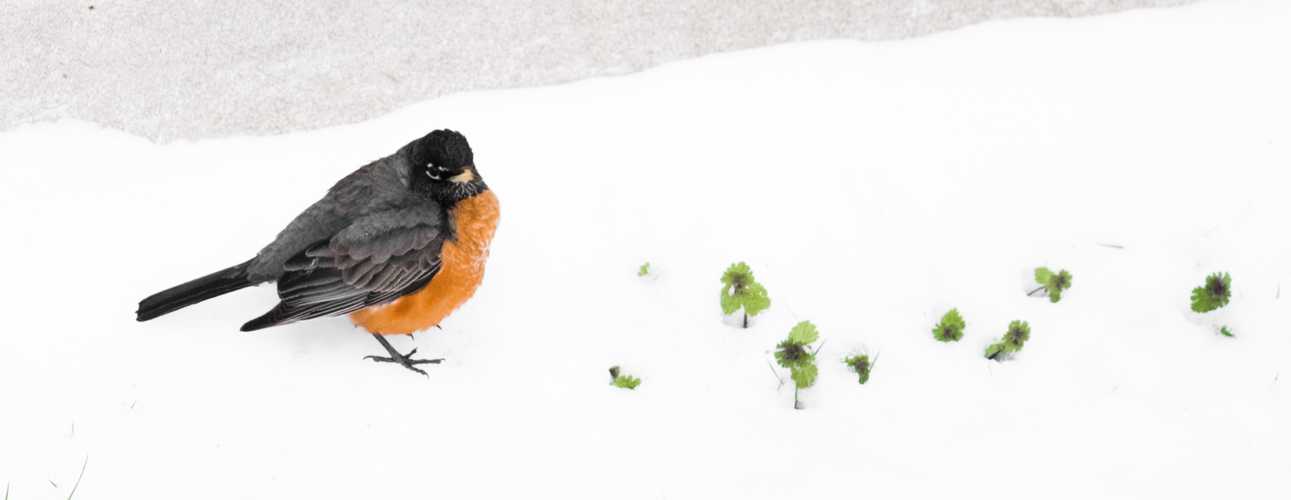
(460, 273)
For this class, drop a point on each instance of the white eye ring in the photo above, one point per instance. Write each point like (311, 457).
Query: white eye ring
(432, 176)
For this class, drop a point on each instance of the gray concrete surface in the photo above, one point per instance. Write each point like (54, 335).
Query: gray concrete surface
(171, 69)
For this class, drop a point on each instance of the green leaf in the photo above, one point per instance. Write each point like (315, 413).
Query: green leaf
(951, 327)
(803, 333)
(1054, 283)
(1226, 332)
(738, 274)
(626, 382)
(1019, 332)
(803, 375)
(790, 354)
(741, 290)
(623, 380)
(1017, 335)
(730, 303)
(1063, 280)
(1214, 294)
(995, 351)
(861, 365)
(1043, 275)
(644, 270)
(755, 299)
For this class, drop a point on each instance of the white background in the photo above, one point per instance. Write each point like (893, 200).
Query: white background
(870, 186)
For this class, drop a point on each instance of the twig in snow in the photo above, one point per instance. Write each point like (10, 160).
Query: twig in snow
(776, 375)
(1112, 245)
(1032, 292)
(78, 477)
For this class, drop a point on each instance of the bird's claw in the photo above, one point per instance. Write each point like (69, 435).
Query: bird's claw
(404, 360)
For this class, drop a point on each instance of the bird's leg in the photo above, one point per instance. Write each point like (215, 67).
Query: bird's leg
(404, 360)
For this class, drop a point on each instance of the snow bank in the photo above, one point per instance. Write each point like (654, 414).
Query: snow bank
(870, 186)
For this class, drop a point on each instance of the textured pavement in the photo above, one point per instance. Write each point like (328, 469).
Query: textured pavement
(188, 69)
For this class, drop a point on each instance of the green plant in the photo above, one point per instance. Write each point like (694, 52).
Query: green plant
(951, 327)
(792, 353)
(1017, 335)
(623, 380)
(860, 364)
(1226, 332)
(1214, 294)
(644, 270)
(740, 290)
(1052, 283)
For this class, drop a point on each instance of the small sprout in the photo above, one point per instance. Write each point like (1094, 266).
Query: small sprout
(741, 290)
(860, 364)
(792, 353)
(1052, 283)
(644, 270)
(950, 329)
(1214, 295)
(1226, 332)
(1012, 341)
(623, 380)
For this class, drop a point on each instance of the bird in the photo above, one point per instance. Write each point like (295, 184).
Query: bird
(398, 245)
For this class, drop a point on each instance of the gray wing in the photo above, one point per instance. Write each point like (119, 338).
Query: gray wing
(375, 260)
(380, 186)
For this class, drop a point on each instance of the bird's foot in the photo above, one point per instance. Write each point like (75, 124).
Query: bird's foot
(404, 360)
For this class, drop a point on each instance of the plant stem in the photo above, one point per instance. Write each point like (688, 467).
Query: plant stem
(1032, 292)
(796, 405)
(78, 478)
(746, 320)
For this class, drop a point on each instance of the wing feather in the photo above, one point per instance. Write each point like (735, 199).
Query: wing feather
(373, 261)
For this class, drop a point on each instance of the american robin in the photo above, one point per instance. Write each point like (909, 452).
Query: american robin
(398, 245)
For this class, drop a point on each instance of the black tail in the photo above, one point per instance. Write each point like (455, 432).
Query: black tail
(209, 286)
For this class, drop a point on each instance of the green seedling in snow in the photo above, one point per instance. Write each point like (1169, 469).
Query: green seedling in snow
(950, 329)
(1052, 283)
(1226, 332)
(740, 290)
(623, 380)
(793, 353)
(1011, 342)
(860, 364)
(644, 270)
(1214, 294)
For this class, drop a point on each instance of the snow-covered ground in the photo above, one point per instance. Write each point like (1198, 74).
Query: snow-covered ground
(870, 186)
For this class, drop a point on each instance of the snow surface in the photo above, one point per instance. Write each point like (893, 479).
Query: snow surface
(870, 186)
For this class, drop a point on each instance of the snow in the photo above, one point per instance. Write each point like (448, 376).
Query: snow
(870, 186)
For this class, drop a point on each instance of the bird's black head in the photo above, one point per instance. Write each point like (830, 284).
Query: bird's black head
(443, 166)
